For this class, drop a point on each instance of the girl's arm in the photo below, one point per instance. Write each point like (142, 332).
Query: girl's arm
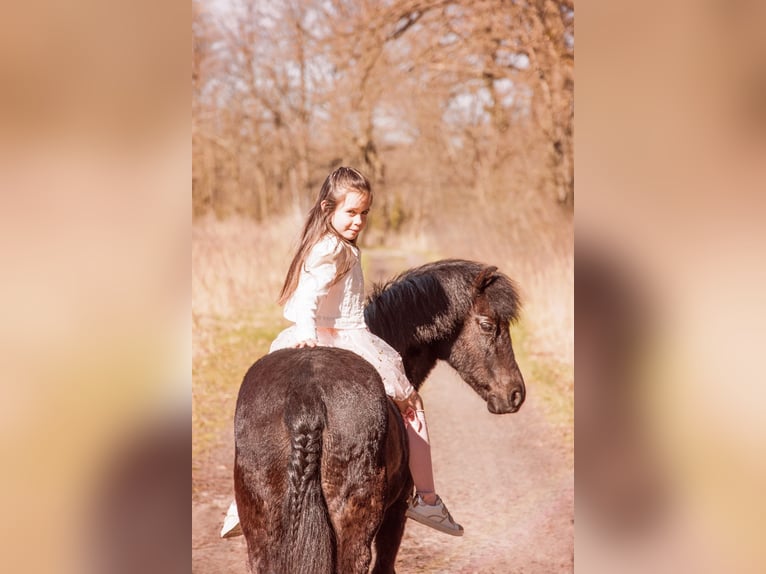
(320, 270)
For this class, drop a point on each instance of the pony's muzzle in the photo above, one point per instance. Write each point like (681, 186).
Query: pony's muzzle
(510, 403)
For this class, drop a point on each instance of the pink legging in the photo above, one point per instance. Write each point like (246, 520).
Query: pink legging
(420, 452)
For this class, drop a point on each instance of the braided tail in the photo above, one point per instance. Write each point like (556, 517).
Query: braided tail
(311, 539)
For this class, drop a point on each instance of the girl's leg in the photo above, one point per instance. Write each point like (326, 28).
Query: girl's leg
(420, 456)
(426, 507)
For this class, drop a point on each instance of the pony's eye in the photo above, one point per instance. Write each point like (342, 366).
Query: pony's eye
(487, 326)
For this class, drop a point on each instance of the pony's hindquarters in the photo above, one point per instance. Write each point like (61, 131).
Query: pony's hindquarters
(310, 468)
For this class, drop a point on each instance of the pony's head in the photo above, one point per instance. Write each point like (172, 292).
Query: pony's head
(458, 311)
(482, 352)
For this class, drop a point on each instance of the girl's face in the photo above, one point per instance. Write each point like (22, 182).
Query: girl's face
(350, 215)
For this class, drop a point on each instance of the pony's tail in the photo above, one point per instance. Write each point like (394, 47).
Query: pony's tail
(311, 539)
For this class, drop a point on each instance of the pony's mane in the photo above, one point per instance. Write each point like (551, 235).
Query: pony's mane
(428, 302)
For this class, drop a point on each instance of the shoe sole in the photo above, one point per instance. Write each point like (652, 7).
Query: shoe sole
(233, 533)
(439, 527)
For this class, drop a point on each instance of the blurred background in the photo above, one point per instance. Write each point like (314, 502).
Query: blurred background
(671, 102)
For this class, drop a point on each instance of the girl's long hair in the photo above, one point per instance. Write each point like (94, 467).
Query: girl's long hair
(318, 224)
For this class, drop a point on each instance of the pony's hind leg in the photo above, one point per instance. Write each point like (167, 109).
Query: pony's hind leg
(260, 517)
(260, 531)
(356, 518)
(389, 537)
(254, 527)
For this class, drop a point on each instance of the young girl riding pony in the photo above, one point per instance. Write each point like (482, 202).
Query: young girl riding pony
(323, 295)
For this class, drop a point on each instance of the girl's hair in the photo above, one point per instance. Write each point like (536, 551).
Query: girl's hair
(318, 224)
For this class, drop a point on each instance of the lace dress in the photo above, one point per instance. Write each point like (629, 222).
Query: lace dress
(333, 315)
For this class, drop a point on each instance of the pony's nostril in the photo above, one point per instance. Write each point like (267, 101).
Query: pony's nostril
(516, 398)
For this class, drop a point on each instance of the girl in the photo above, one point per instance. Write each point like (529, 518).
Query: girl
(323, 295)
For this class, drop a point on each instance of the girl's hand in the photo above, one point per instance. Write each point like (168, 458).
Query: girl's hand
(411, 403)
(307, 343)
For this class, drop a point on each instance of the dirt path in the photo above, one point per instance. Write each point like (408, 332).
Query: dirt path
(507, 479)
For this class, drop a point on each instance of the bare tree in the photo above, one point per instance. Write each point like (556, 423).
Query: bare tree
(446, 97)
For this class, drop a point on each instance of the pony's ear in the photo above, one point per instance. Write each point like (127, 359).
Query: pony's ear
(484, 279)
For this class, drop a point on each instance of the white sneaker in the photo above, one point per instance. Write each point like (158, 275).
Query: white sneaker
(434, 515)
(231, 526)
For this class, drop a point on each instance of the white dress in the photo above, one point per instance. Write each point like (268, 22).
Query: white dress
(333, 315)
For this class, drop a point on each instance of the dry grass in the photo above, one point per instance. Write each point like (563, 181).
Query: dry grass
(549, 320)
(549, 308)
(238, 269)
(239, 264)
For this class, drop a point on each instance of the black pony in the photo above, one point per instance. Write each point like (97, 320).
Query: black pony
(321, 467)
